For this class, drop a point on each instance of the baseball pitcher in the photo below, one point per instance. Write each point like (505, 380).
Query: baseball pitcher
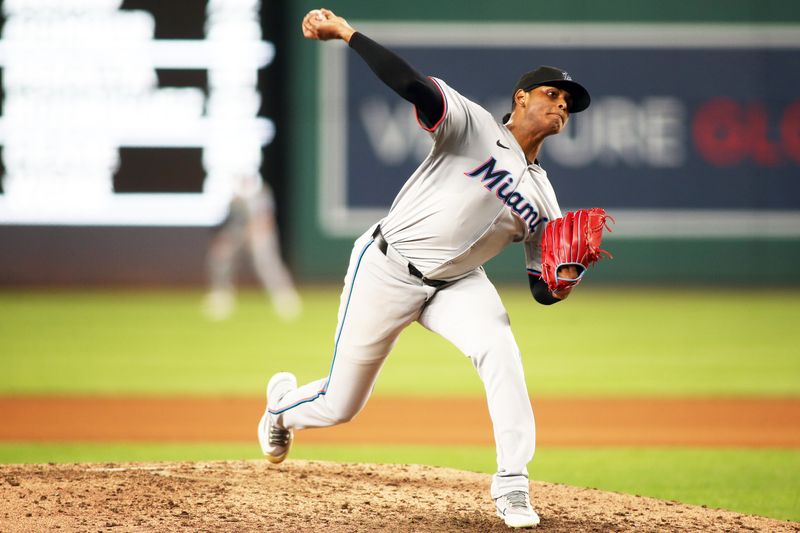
(480, 189)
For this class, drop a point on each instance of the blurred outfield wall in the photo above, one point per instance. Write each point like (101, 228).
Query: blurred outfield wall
(692, 141)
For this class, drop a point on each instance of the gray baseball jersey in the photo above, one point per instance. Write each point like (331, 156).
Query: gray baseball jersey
(473, 195)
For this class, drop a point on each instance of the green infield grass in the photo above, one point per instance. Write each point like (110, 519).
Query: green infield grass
(762, 482)
(601, 342)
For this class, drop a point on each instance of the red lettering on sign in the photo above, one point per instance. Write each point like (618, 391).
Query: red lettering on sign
(726, 133)
(719, 133)
(790, 131)
(765, 152)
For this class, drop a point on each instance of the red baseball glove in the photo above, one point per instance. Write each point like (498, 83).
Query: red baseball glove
(573, 240)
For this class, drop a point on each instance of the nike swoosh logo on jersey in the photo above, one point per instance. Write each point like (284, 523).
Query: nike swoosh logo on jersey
(501, 145)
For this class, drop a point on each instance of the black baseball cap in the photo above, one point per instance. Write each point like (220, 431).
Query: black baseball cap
(555, 77)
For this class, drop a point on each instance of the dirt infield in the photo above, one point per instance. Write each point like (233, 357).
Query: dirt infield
(445, 421)
(301, 496)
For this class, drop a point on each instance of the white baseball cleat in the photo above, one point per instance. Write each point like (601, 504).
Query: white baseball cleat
(515, 510)
(275, 439)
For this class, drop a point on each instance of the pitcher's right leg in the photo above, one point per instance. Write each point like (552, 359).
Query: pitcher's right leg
(470, 314)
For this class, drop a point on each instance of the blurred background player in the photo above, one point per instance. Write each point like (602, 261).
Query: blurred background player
(249, 229)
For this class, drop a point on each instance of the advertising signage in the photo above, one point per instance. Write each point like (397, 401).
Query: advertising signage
(692, 131)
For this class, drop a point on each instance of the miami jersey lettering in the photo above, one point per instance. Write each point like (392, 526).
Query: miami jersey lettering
(500, 182)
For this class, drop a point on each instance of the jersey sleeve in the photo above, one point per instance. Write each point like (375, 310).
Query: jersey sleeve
(456, 116)
(549, 210)
(533, 250)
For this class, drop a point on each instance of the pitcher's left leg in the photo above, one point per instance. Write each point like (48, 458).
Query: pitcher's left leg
(469, 314)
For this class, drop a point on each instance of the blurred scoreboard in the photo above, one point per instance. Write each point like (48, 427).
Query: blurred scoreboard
(134, 112)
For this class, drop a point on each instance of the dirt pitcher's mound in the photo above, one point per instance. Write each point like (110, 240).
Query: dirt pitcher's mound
(317, 496)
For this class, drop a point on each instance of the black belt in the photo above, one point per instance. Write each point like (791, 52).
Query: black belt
(383, 246)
